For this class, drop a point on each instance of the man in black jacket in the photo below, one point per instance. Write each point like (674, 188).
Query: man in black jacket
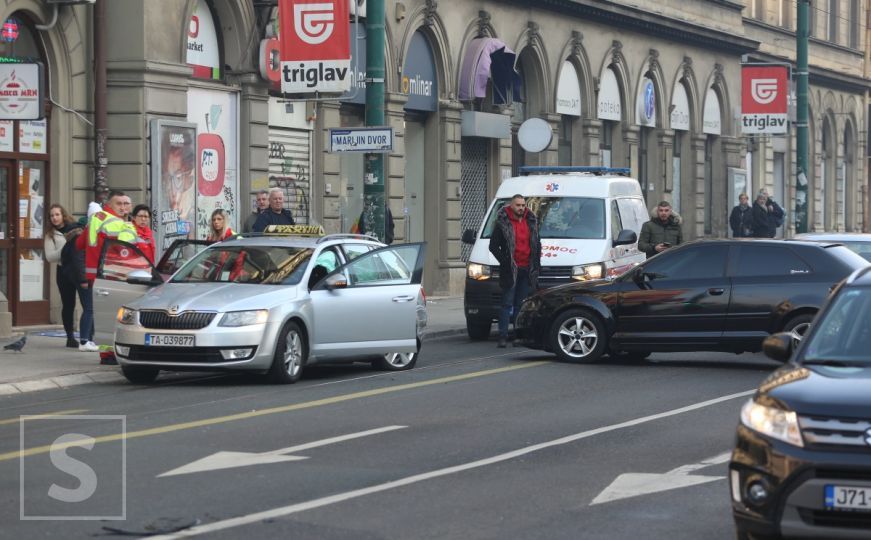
(767, 216)
(276, 214)
(741, 218)
(516, 245)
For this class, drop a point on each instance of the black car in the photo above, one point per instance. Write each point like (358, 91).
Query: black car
(802, 462)
(714, 295)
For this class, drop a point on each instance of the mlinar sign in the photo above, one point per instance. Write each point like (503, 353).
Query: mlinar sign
(21, 96)
(315, 47)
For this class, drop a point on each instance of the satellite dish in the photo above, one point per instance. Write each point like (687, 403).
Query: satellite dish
(534, 135)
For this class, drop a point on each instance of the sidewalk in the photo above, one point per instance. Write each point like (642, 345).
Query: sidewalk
(45, 363)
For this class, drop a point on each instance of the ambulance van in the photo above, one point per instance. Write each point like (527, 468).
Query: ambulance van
(589, 219)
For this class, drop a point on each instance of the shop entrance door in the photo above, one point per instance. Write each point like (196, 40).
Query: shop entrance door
(22, 255)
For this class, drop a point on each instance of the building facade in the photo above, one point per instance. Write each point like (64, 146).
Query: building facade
(196, 122)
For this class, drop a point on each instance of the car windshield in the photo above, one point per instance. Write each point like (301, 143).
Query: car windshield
(267, 265)
(843, 334)
(559, 217)
(863, 249)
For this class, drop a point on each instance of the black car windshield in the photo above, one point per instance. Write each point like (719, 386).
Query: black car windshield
(559, 217)
(843, 334)
(267, 265)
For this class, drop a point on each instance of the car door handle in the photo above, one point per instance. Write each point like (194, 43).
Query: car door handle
(101, 292)
(403, 298)
(716, 291)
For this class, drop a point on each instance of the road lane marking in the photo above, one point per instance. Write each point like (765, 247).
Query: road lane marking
(38, 416)
(408, 480)
(274, 410)
(229, 460)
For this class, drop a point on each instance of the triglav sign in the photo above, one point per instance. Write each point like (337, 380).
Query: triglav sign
(764, 104)
(315, 46)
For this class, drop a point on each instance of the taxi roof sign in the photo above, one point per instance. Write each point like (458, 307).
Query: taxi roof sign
(294, 230)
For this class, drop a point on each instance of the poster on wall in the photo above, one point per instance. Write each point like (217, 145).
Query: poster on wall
(173, 180)
(33, 137)
(6, 139)
(215, 114)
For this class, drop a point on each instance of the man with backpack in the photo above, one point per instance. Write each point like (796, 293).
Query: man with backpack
(767, 216)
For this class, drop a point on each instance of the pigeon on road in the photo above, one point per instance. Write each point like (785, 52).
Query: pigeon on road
(16, 345)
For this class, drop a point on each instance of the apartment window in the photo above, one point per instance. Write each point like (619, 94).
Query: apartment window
(757, 9)
(833, 21)
(784, 13)
(854, 23)
(812, 18)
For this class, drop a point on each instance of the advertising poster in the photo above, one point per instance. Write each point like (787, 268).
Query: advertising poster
(174, 180)
(215, 114)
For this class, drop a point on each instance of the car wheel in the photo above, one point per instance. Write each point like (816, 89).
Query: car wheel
(291, 353)
(140, 375)
(797, 327)
(397, 361)
(578, 335)
(478, 329)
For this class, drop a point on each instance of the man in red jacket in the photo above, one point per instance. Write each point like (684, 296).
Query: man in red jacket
(110, 222)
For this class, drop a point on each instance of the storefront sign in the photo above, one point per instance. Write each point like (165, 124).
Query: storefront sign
(315, 46)
(357, 92)
(609, 105)
(21, 95)
(270, 67)
(568, 91)
(680, 109)
(33, 137)
(203, 52)
(712, 118)
(173, 180)
(371, 139)
(419, 80)
(645, 104)
(764, 103)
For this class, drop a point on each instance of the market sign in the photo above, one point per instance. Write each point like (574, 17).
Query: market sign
(21, 91)
(203, 53)
(368, 139)
(764, 103)
(315, 46)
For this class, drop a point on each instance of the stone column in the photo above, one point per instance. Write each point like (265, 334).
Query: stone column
(591, 129)
(328, 166)
(665, 177)
(734, 150)
(394, 114)
(694, 215)
(451, 270)
(550, 156)
(631, 135)
(253, 144)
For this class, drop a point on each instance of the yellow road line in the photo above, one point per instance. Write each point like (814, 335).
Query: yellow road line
(264, 412)
(38, 416)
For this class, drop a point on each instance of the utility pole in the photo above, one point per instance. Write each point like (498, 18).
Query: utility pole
(373, 183)
(801, 117)
(101, 187)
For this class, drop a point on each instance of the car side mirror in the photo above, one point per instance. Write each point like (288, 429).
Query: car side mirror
(143, 277)
(625, 237)
(336, 281)
(468, 236)
(778, 346)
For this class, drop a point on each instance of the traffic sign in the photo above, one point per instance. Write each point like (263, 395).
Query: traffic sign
(368, 139)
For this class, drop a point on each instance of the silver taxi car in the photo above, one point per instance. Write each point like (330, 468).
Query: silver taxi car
(269, 304)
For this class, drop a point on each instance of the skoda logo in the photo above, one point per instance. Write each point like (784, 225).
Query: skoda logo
(868, 436)
(173, 310)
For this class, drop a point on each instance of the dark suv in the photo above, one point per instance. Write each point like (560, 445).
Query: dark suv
(802, 462)
(715, 295)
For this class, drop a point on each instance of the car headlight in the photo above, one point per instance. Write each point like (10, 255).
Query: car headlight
(126, 315)
(772, 422)
(477, 271)
(244, 318)
(588, 272)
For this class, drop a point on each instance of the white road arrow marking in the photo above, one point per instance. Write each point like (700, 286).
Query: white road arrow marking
(634, 484)
(229, 460)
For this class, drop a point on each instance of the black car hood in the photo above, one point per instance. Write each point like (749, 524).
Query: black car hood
(820, 390)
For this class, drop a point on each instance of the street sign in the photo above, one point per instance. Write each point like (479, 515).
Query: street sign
(764, 103)
(369, 139)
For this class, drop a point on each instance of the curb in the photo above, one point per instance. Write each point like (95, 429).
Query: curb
(444, 333)
(60, 381)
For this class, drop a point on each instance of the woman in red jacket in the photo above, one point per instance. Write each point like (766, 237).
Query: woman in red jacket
(219, 229)
(144, 235)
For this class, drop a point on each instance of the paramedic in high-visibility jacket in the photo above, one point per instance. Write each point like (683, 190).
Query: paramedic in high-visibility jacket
(110, 222)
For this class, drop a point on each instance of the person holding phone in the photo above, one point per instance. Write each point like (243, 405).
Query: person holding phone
(661, 232)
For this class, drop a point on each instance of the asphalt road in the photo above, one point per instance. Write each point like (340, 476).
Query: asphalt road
(476, 442)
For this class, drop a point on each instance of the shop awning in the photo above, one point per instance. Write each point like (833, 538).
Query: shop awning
(489, 58)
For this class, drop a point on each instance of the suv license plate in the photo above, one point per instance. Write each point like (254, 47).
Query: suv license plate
(848, 498)
(168, 340)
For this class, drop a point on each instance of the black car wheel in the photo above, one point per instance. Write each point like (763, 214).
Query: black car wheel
(797, 327)
(577, 335)
(140, 375)
(291, 353)
(478, 329)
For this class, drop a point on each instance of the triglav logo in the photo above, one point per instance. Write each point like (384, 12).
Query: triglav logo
(313, 23)
(764, 91)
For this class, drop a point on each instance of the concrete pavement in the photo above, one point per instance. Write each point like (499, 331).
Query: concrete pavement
(45, 363)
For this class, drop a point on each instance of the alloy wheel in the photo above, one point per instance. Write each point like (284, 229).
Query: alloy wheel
(293, 353)
(399, 360)
(577, 337)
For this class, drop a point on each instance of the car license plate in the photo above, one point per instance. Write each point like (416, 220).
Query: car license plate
(168, 340)
(848, 498)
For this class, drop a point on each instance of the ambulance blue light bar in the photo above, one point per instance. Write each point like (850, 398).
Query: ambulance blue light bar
(558, 169)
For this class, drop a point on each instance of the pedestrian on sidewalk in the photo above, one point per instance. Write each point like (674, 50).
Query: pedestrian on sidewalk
(276, 214)
(262, 205)
(144, 235)
(219, 229)
(516, 245)
(63, 229)
(661, 232)
(741, 218)
(767, 216)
